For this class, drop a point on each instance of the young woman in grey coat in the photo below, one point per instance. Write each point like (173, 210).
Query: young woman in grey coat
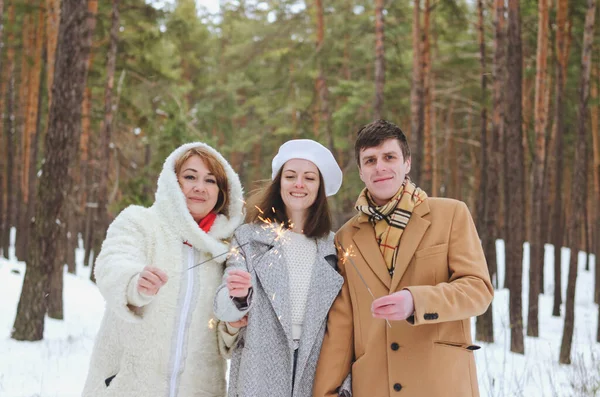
(283, 276)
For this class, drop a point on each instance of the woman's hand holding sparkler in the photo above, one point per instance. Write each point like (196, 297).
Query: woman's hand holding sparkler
(240, 323)
(151, 280)
(239, 283)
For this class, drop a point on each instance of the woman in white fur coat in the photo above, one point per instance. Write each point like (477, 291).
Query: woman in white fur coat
(159, 336)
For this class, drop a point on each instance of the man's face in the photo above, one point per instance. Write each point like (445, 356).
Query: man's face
(382, 169)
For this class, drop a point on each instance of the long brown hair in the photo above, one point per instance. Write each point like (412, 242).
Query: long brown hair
(266, 203)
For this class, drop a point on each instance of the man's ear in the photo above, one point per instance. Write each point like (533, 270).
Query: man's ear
(408, 162)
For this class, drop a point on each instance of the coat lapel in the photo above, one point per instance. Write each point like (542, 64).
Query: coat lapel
(272, 273)
(365, 241)
(412, 236)
(325, 285)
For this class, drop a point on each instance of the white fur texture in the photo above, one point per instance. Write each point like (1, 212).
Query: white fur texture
(138, 344)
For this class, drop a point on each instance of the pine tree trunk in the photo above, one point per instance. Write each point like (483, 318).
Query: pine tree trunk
(105, 138)
(71, 245)
(536, 257)
(3, 213)
(515, 176)
(496, 154)
(31, 133)
(8, 92)
(89, 193)
(426, 171)
(589, 224)
(545, 201)
(52, 22)
(450, 158)
(485, 322)
(22, 138)
(559, 109)
(379, 60)
(435, 181)
(62, 141)
(32, 179)
(579, 182)
(596, 182)
(416, 96)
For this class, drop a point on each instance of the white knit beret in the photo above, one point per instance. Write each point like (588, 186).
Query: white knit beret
(307, 149)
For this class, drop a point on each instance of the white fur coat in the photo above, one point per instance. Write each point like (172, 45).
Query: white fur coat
(172, 346)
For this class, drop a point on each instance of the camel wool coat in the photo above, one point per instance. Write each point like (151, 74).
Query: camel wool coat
(441, 262)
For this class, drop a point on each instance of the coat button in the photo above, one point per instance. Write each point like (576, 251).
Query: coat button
(395, 346)
(397, 387)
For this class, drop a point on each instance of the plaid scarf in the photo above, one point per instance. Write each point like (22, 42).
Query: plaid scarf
(390, 219)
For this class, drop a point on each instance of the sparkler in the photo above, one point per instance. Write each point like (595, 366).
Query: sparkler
(232, 250)
(347, 255)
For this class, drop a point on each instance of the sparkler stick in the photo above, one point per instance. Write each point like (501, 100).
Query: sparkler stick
(233, 249)
(347, 256)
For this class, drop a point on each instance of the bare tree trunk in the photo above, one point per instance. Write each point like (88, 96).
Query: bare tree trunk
(596, 183)
(416, 96)
(4, 229)
(31, 135)
(379, 60)
(88, 186)
(105, 138)
(586, 227)
(579, 182)
(426, 172)
(536, 257)
(52, 22)
(62, 140)
(497, 155)
(557, 210)
(435, 155)
(8, 87)
(450, 157)
(485, 322)
(515, 175)
(33, 157)
(22, 138)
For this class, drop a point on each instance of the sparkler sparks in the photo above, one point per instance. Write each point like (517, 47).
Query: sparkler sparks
(212, 323)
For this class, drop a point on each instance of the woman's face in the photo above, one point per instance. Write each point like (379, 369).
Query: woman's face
(199, 186)
(299, 185)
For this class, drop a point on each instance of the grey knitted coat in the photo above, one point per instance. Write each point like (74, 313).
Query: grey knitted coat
(262, 363)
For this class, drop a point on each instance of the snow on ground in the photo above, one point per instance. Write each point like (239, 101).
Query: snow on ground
(57, 366)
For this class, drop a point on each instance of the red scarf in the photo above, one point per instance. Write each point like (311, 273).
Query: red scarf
(205, 224)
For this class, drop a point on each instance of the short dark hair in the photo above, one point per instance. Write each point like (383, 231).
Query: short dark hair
(266, 203)
(375, 133)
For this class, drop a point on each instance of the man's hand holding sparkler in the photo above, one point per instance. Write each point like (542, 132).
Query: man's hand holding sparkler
(397, 306)
(239, 283)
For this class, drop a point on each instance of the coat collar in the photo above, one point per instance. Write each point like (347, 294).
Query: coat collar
(366, 243)
(170, 204)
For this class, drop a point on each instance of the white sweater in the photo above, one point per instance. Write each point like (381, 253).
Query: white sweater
(300, 254)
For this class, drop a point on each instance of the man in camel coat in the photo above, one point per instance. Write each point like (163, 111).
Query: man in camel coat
(414, 274)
